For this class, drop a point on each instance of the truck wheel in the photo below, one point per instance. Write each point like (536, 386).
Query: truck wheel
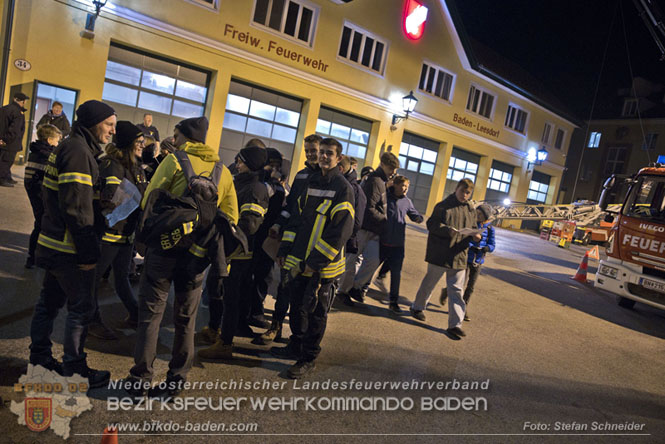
(625, 302)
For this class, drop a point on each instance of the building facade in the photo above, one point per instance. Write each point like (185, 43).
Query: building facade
(282, 69)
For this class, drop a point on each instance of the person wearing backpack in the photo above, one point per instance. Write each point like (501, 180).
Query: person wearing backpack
(253, 203)
(168, 261)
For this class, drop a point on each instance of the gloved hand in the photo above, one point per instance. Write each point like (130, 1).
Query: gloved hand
(485, 249)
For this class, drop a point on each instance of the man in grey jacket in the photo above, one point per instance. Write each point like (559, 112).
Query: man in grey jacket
(447, 251)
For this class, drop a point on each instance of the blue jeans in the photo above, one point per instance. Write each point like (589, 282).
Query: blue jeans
(64, 285)
(392, 258)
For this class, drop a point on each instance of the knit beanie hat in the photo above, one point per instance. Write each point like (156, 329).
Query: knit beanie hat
(194, 128)
(274, 154)
(254, 157)
(486, 210)
(93, 112)
(126, 133)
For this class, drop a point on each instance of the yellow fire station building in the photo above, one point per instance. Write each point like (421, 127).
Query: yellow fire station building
(282, 69)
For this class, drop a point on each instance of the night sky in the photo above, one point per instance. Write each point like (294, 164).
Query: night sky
(561, 43)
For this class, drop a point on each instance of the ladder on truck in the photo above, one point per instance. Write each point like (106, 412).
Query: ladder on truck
(582, 214)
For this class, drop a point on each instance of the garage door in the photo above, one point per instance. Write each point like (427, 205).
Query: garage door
(253, 111)
(351, 131)
(417, 160)
(498, 184)
(463, 165)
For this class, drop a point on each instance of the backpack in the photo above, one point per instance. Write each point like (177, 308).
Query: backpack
(170, 220)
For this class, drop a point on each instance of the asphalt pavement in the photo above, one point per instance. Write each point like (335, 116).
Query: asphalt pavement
(554, 360)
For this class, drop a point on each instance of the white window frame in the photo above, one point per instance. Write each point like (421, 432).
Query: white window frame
(312, 30)
(563, 138)
(439, 68)
(366, 33)
(547, 140)
(526, 122)
(483, 91)
(594, 139)
(491, 179)
(206, 5)
(628, 105)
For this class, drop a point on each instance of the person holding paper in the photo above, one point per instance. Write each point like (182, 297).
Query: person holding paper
(447, 252)
(122, 161)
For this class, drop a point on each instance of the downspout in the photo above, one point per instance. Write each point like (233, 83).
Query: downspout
(6, 47)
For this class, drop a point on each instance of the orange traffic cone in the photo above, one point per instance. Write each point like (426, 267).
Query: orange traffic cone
(580, 275)
(110, 436)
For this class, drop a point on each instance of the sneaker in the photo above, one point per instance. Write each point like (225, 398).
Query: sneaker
(259, 322)
(288, 352)
(167, 390)
(96, 378)
(217, 352)
(52, 365)
(30, 262)
(207, 336)
(301, 369)
(245, 331)
(456, 331)
(357, 295)
(101, 331)
(394, 307)
(12, 181)
(444, 296)
(135, 387)
(380, 283)
(418, 314)
(346, 300)
(466, 317)
(272, 334)
(4, 183)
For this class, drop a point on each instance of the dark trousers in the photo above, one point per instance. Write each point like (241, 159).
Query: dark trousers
(236, 300)
(158, 274)
(215, 292)
(119, 256)
(262, 267)
(34, 190)
(282, 301)
(69, 285)
(308, 317)
(473, 271)
(6, 162)
(392, 258)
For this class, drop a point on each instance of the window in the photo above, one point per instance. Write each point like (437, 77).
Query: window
(210, 4)
(630, 107)
(136, 82)
(647, 200)
(560, 137)
(650, 141)
(362, 48)
(547, 133)
(516, 118)
(252, 112)
(499, 180)
(436, 81)
(351, 131)
(594, 140)
(616, 157)
(462, 165)
(417, 160)
(538, 191)
(294, 18)
(480, 102)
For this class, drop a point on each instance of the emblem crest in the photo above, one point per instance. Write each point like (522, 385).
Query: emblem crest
(38, 413)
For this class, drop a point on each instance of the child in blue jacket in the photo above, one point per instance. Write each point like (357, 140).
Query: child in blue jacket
(476, 257)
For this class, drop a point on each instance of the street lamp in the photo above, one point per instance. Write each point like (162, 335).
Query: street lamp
(408, 105)
(534, 157)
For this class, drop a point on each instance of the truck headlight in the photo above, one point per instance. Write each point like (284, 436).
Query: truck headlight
(608, 271)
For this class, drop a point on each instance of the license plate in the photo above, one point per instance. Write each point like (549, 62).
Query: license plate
(653, 285)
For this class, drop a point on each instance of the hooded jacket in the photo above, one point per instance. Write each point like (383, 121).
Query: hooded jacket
(70, 181)
(40, 150)
(478, 249)
(61, 122)
(375, 211)
(445, 247)
(12, 127)
(169, 176)
(394, 231)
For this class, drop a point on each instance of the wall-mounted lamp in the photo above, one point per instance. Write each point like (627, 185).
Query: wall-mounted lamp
(408, 105)
(534, 157)
(89, 31)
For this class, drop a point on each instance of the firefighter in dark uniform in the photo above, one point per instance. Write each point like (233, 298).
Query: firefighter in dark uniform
(253, 204)
(312, 252)
(68, 244)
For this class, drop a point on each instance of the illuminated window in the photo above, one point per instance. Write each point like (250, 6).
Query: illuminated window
(650, 141)
(436, 81)
(538, 191)
(558, 140)
(480, 102)
(351, 131)
(499, 180)
(295, 19)
(362, 48)
(516, 118)
(594, 140)
(547, 133)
